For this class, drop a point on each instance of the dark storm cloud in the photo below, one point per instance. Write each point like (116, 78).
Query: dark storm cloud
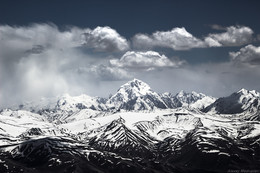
(40, 60)
(37, 49)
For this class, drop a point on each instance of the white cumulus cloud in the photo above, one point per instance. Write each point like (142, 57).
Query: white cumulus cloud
(177, 39)
(233, 36)
(181, 39)
(145, 60)
(104, 39)
(247, 55)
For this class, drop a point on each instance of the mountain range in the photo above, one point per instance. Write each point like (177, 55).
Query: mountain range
(134, 130)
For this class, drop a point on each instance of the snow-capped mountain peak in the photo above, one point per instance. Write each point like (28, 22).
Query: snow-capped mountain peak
(188, 98)
(238, 102)
(183, 99)
(243, 91)
(136, 95)
(138, 86)
(252, 93)
(69, 102)
(182, 93)
(198, 94)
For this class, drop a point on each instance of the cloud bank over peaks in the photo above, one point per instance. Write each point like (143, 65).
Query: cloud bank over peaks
(144, 60)
(104, 39)
(248, 55)
(129, 65)
(43, 60)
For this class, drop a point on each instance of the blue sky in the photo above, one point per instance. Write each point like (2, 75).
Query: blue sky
(131, 17)
(92, 47)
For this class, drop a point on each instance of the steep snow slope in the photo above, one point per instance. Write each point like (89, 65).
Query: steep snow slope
(238, 102)
(188, 98)
(20, 125)
(136, 95)
(117, 137)
(60, 108)
(183, 99)
(203, 102)
(170, 100)
(69, 103)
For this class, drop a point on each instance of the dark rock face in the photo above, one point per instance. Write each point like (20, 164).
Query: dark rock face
(204, 154)
(194, 153)
(33, 153)
(119, 139)
(171, 101)
(237, 102)
(32, 132)
(227, 105)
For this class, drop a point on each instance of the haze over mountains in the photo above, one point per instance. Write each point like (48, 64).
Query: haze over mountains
(136, 129)
(134, 95)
